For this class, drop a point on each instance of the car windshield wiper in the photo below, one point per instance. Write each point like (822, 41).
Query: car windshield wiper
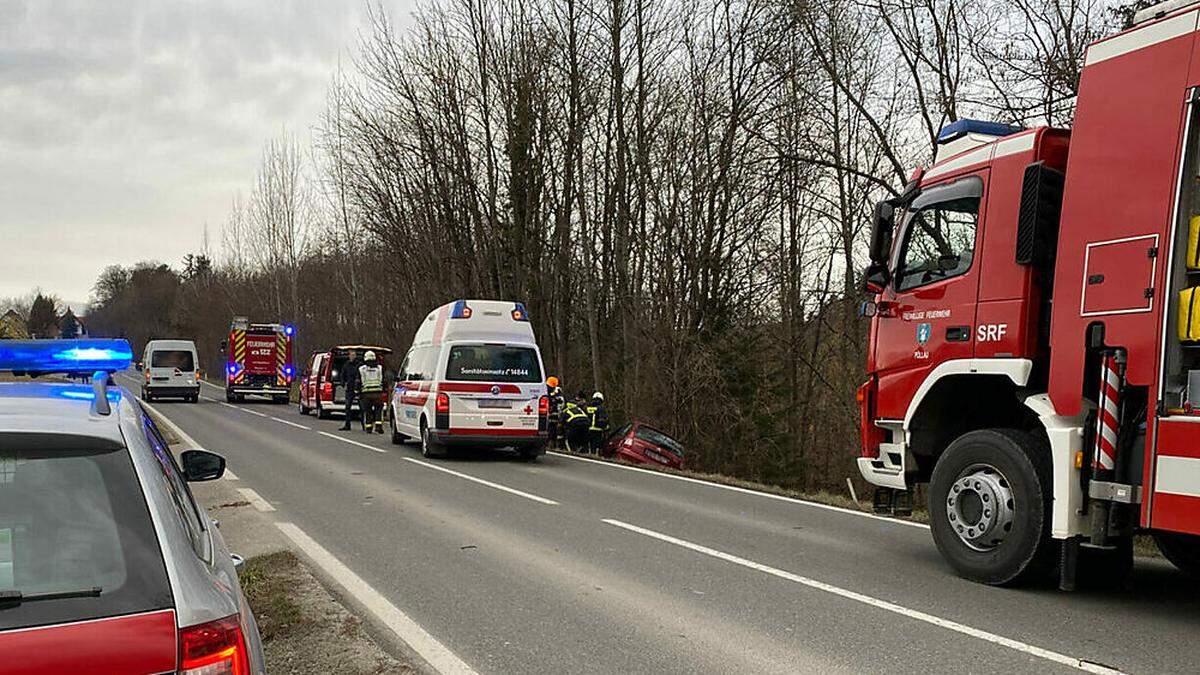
(14, 598)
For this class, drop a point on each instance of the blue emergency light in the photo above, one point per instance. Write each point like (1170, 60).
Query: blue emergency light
(65, 356)
(957, 130)
(460, 310)
(519, 313)
(289, 330)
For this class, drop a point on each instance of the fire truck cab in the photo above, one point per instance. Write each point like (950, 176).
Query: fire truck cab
(1032, 342)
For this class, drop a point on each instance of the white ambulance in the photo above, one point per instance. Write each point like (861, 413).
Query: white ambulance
(473, 377)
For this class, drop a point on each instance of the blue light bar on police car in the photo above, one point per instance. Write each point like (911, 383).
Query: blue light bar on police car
(65, 356)
(957, 130)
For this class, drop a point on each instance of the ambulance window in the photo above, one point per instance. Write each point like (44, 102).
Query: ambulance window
(941, 228)
(402, 374)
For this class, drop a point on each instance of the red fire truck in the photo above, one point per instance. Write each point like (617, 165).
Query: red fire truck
(258, 360)
(1035, 330)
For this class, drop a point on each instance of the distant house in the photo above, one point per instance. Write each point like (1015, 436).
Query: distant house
(72, 326)
(13, 326)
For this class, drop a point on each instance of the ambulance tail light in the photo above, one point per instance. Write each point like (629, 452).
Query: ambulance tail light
(214, 648)
(872, 435)
(460, 310)
(543, 412)
(441, 408)
(326, 391)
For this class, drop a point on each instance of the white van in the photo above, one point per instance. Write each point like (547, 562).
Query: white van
(473, 377)
(171, 370)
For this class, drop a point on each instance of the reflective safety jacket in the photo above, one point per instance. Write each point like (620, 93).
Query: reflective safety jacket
(574, 415)
(371, 378)
(557, 403)
(598, 417)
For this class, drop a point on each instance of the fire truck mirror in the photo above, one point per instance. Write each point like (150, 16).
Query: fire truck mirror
(868, 309)
(224, 345)
(876, 278)
(881, 232)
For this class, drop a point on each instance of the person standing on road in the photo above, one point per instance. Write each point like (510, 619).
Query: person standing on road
(348, 378)
(575, 425)
(370, 377)
(598, 418)
(557, 402)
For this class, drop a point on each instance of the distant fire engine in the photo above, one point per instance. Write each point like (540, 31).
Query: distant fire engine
(259, 360)
(1035, 342)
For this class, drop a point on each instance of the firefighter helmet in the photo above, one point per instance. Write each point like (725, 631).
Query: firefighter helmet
(552, 381)
(369, 356)
(598, 396)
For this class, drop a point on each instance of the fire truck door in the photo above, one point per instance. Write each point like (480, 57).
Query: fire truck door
(927, 313)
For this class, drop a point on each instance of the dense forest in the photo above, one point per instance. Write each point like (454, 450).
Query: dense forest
(679, 192)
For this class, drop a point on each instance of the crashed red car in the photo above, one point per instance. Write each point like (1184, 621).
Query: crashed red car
(639, 443)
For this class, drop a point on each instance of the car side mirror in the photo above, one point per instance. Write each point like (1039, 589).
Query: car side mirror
(881, 232)
(868, 309)
(201, 465)
(224, 345)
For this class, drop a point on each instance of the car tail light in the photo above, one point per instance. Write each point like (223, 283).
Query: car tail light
(214, 648)
(872, 435)
(327, 390)
(441, 408)
(544, 406)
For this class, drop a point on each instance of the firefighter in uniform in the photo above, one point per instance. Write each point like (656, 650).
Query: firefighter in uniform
(575, 426)
(348, 377)
(370, 378)
(598, 422)
(557, 402)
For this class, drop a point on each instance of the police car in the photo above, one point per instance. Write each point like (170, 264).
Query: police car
(107, 564)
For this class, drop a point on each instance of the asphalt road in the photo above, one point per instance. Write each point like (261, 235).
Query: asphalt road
(569, 565)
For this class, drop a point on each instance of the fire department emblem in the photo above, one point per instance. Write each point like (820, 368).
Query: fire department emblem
(923, 331)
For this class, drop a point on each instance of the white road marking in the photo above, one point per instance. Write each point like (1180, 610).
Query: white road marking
(747, 491)
(229, 475)
(255, 499)
(252, 412)
(291, 423)
(351, 442)
(174, 428)
(1022, 647)
(473, 479)
(435, 653)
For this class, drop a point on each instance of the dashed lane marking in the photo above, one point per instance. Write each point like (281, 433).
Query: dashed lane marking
(473, 479)
(350, 441)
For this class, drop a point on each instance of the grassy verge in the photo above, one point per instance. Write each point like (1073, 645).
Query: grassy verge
(304, 629)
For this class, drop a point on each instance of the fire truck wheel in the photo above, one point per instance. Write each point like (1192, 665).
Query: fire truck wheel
(1183, 550)
(989, 506)
(429, 447)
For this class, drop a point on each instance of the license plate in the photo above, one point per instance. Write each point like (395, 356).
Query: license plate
(657, 457)
(495, 403)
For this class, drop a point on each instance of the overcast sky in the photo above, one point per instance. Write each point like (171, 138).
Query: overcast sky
(126, 125)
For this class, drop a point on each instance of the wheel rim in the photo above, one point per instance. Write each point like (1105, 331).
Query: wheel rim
(980, 507)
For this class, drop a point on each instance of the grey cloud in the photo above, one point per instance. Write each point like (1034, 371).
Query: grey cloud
(127, 125)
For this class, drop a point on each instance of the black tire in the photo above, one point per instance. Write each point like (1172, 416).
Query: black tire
(1019, 463)
(1183, 550)
(230, 397)
(530, 454)
(429, 447)
(194, 398)
(304, 410)
(147, 396)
